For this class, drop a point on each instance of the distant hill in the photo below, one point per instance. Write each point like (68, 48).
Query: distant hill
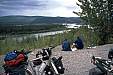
(29, 20)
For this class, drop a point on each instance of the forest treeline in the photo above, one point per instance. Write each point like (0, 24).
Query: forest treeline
(27, 29)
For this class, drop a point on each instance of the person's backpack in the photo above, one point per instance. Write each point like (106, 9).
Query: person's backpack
(13, 59)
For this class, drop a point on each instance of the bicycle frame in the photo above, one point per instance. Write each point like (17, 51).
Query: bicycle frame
(102, 64)
(41, 69)
(54, 67)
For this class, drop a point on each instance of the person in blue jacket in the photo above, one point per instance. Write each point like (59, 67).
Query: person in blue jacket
(79, 43)
(66, 45)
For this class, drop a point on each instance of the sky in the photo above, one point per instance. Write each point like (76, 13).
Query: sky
(62, 8)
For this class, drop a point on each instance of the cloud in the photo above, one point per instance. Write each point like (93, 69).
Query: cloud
(22, 4)
(37, 7)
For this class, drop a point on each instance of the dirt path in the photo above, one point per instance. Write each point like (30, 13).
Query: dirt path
(77, 62)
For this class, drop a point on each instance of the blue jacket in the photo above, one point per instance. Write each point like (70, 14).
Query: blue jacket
(66, 46)
(79, 44)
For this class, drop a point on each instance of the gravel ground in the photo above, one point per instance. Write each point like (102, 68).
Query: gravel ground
(76, 62)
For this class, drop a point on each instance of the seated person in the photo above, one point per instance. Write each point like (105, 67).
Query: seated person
(66, 45)
(79, 43)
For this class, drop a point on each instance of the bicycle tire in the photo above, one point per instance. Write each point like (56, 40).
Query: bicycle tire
(27, 72)
(95, 71)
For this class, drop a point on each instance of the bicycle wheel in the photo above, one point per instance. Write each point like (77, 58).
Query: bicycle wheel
(28, 72)
(95, 71)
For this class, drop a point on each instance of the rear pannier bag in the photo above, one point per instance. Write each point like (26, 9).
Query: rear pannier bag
(13, 59)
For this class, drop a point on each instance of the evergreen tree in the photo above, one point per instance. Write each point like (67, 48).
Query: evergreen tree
(97, 14)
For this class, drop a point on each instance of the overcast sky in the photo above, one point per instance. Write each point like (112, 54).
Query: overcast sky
(63, 8)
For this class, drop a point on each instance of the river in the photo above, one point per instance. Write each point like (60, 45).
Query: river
(21, 36)
(24, 36)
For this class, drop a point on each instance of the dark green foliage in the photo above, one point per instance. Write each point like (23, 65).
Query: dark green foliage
(97, 14)
(27, 29)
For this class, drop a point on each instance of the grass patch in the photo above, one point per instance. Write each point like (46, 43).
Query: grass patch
(86, 34)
